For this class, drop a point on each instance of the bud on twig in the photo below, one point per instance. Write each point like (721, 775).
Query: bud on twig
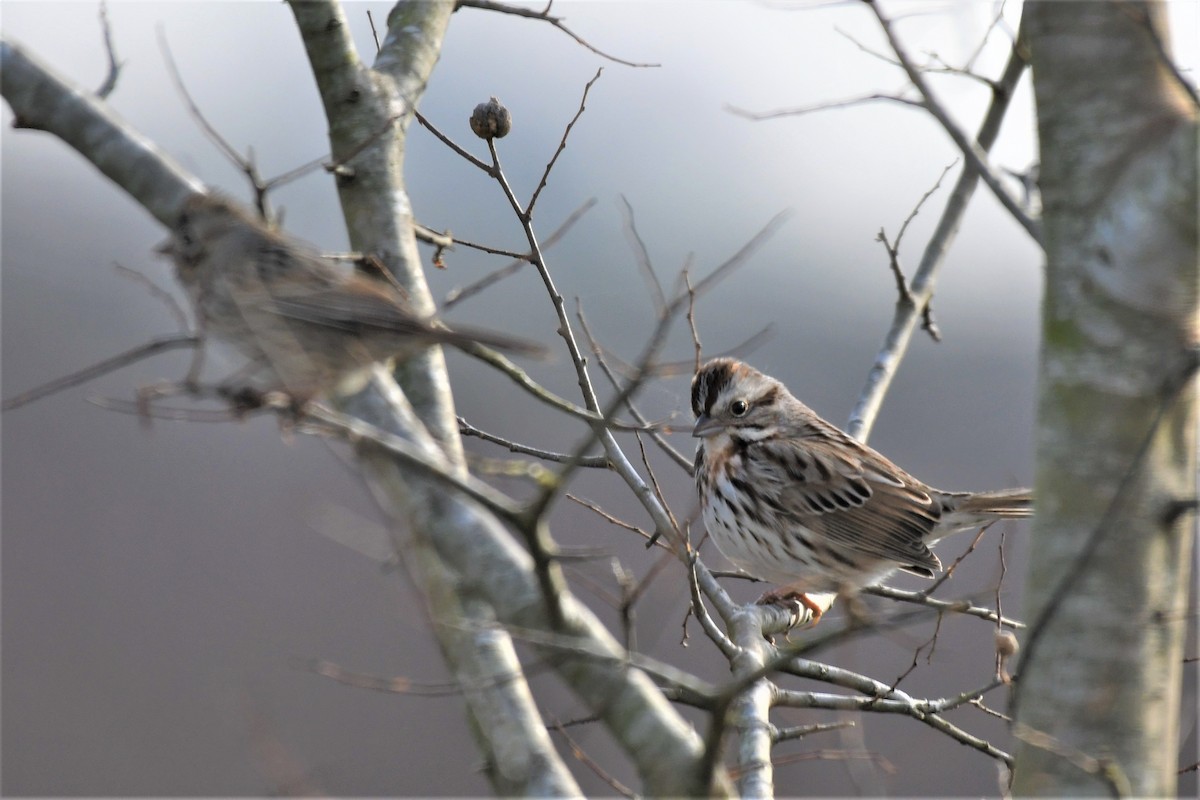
(491, 120)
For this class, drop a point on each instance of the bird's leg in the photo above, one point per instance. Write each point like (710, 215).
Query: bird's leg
(793, 601)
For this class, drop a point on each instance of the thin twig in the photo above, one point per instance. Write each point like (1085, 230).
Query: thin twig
(143, 412)
(699, 691)
(157, 292)
(246, 165)
(355, 431)
(952, 606)
(374, 33)
(446, 140)
(904, 321)
(1106, 770)
(826, 106)
(637, 591)
(562, 145)
(925, 711)
(102, 368)
(948, 572)
(458, 294)
(679, 458)
(920, 203)
(544, 16)
(691, 319)
(983, 40)
(974, 152)
(800, 731)
(114, 66)
(642, 254)
(620, 523)
(715, 634)
(467, 429)
(591, 764)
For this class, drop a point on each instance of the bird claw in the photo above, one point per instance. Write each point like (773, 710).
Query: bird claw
(795, 603)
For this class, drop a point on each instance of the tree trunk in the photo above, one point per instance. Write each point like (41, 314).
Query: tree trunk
(1097, 709)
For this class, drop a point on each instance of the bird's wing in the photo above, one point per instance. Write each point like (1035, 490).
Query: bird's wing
(373, 307)
(353, 308)
(850, 495)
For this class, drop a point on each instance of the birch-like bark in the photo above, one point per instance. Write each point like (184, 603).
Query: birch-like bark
(472, 570)
(42, 100)
(482, 559)
(375, 106)
(1097, 708)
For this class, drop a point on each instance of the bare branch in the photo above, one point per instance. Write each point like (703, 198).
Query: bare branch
(246, 165)
(377, 683)
(715, 634)
(799, 111)
(609, 517)
(544, 16)
(446, 140)
(562, 145)
(521, 378)
(906, 316)
(954, 606)
(157, 292)
(114, 66)
(1107, 770)
(926, 711)
(457, 295)
(917, 208)
(601, 361)
(697, 349)
(43, 100)
(355, 431)
(975, 152)
(800, 731)
(591, 764)
(467, 429)
(983, 40)
(102, 368)
(642, 255)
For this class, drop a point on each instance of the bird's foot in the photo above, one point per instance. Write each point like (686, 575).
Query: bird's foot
(795, 603)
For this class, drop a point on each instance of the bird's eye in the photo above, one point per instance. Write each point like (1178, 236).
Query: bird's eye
(739, 408)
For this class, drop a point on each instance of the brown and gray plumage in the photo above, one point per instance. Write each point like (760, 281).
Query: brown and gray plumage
(303, 319)
(790, 498)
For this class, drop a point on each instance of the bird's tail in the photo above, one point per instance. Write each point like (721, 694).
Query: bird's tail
(963, 510)
(1006, 503)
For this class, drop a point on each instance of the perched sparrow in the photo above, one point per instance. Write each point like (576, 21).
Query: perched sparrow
(303, 319)
(790, 498)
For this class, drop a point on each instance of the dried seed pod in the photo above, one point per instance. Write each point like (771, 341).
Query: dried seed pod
(491, 120)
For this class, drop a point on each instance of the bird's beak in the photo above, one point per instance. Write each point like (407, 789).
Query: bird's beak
(706, 426)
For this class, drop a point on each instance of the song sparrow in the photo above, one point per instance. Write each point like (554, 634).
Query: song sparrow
(790, 498)
(302, 318)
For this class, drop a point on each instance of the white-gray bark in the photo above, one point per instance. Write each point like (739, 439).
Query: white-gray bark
(480, 553)
(1097, 709)
(475, 577)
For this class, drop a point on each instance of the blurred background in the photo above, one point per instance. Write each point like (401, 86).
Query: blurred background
(162, 583)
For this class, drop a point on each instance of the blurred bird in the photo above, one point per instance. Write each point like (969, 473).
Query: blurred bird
(303, 319)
